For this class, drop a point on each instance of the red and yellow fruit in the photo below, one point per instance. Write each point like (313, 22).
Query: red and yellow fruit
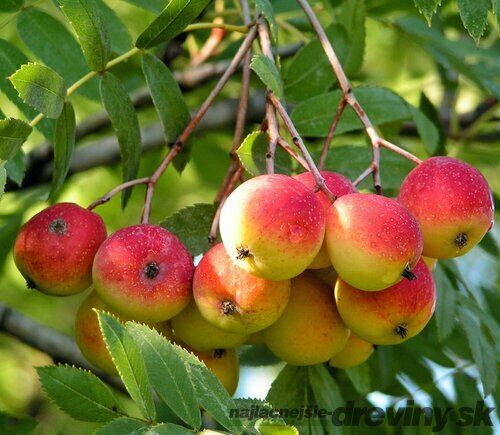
(272, 226)
(389, 316)
(234, 300)
(355, 352)
(372, 240)
(144, 272)
(452, 202)
(55, 249)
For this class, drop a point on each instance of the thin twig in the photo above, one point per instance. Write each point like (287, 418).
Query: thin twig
(331, 132)
(105, 198)
(288, 148)
(363, 175)
(181, 140)
(297, 140)
(390, 146)
(272, 121)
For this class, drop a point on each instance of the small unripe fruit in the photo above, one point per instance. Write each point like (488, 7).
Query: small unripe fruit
(354, 353)
(372, 240)
(452, 202)
(272, 226)
(389, 316)
(144, 272)
(55, 249)
(192, 328)
(234, 300)
(310, 331)
(339, 186)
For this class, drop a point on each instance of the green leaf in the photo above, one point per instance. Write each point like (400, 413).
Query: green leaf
(474, 14)
(353, 20)
(85, 17)
(79, 393)
(314, 116)
(326, 392)
(150, 5)
(482, 351)
(432, 114)
(123, 426)
(168, 429)
(12, 59)
(172, 21)
(360, 378)
(272, 427)
(167, 97)
(496, 9)
(119, 35)
(246, 411)
(184, 156)
(427, 8)
(127, 357)
(211, 394)
(16, 167)
(257, 355)
(41, 87)
(192, 225)
(123, 117)
(13, 133)
(268, 73)
(167, 373)
(445, 303)
(11, 5)
(64, 143)
(267, 11)
(351, 161)
(3, 179)
(42, 34)
(489, 244)
(16, 426)
(252, 154)
(309, 72)
(426, 129)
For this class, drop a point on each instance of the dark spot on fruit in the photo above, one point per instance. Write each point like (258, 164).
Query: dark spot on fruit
(58, 226)
(219, 353)
(243, 252)
(401, 330)
(30, 284)
(151, 270)
(228, 308)
(461, 240)
(375, 347)
(408, 274)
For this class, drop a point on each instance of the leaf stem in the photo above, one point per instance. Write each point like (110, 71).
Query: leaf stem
(224, 26)
(331, 132)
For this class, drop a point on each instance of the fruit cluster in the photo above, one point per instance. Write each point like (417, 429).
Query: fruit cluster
(314, 281)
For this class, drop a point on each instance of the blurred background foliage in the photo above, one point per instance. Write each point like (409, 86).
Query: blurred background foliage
(401, 53)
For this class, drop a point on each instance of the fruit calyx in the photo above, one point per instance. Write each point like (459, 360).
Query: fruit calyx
(401, 330)
(461, 240)
(243, 252)
(408, 274)
(151, 270)
(219, 353)
(228, 308)
(58, 226)
(30, 284)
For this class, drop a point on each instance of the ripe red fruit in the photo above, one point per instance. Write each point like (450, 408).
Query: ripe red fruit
(55, 249)
(234, 300)
(144, 272)
(273, 226)
(389, 316)
(452, 202)
(339, 186)
(372, 240)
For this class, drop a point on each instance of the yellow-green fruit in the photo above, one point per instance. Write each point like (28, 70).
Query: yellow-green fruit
(310, 331)
(256, 338)
(224, 364)
(194, 330)
(355, 352)
(431, 263)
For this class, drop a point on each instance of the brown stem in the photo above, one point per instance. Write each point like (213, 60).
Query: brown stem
(105, 198)
(286, 146)
(297, 140)
(331, 132)
(390, 146)
(181, 140)
(272, 121)
(363, 175)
